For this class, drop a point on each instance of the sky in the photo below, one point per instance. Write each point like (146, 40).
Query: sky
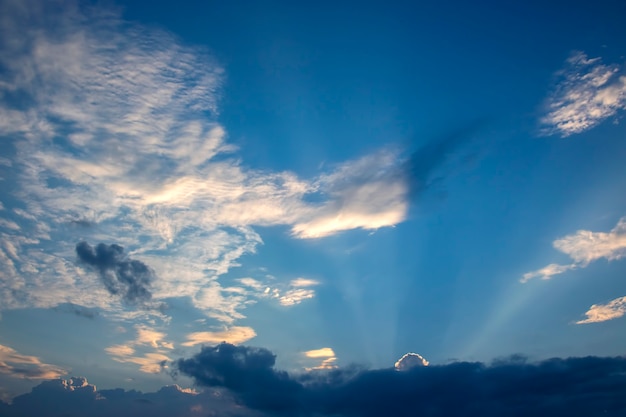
(278, 208)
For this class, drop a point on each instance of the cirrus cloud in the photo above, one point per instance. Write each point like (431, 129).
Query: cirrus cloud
(588, 93)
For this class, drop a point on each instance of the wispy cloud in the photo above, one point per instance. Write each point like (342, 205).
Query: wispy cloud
(118, 131)
(22, 366)
(547, 272)
(299, 290)
(588, 92)
(584, 247)
(602, 312)
(234, 335)
(149, 350)
(326, 354)
(287, 294)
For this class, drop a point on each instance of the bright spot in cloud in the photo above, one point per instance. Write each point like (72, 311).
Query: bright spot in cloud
(410, 360)
(234, 335)
(326, 354)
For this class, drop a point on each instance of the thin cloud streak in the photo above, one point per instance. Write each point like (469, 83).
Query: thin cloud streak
(21, 366)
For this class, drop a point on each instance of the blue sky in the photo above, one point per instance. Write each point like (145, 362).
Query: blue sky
(337, 183)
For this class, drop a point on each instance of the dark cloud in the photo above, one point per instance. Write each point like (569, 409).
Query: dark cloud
(420, 168)
(77, 310)
(247, 371)
(128, 278)
(589, 386)
(82, 223)
(77, 398)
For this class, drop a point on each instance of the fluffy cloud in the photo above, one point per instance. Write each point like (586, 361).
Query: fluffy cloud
(588, 93)
(507, 387)
(603, 312)
(17, 365)
(584, 247)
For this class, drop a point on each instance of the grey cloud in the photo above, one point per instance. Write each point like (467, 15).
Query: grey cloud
(569, 387)
(128, 278)
(419, 169)
(77, 310)
(76, 398)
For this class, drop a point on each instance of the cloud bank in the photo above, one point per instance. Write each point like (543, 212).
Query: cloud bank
(77, 397)
(588, 92)
(242, 381)
(554, 387)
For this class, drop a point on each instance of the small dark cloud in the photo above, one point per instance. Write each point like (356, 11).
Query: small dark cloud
(122, 276)
(420, 168)
(82, 223)
(571, 387)
(77, 310)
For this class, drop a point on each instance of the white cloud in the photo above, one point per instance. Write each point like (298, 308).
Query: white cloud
(22, 366)
(303, 282)
(365, 194)
(234, 335)
(603, 312)
(584, 247)
(298, 291)
(295, 296)
(588, 93)
(326, 354)
(148, 350)
(118, 142)
(547, 272)
(320, 353)
(410, 360)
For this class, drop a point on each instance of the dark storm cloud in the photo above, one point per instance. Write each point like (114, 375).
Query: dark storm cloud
(121, 275)
(570, 387)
